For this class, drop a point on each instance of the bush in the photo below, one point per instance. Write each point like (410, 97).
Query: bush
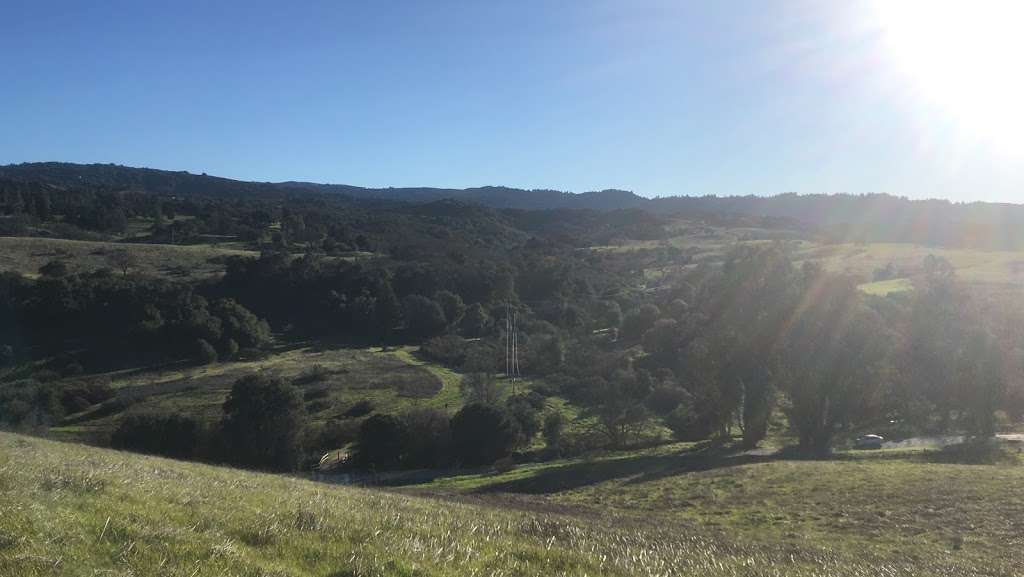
(554, 426)
(476, 322)
(241, 325)
(54, 269)
(482, 434)
(428, 440)
(424, 318)
(78, 397)
(448, 350)
(335, 434)
(504, 465)
(360, 409)
(689, 425)
(171, 435)
(262, 423)
(524, 409)
(635, 324)
(381, 442)
(315, 374)
(205, 353)
(665, 398)
(452, 305)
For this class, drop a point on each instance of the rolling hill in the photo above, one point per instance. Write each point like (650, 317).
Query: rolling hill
(845, 217)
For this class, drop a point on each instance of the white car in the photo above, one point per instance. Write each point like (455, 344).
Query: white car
(869, 442)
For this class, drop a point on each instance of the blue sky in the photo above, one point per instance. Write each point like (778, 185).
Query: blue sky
(672, 97)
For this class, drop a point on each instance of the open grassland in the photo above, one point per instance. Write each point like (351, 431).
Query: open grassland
(888, 508)
(973, 266)
(25, 255)
(332, 380)
(709, 244)
(72, 510)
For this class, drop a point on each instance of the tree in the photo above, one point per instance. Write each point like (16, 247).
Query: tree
(262, 423)
(241, 325)
(617, 404)
(756, 297)
(524, 410)
(636, 323)
(482, 434)
(428, 438)
(121, 259)
(204, 352)
(983, 386)
(554, 426)
(834, 361)
(54, 269)
(481, 388)
(423, 317)
(386, 309)
(381, 442)
(168, 434)
(937, 327)
(452, 305)
(475, 322)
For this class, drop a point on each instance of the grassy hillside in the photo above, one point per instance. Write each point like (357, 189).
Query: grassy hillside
(72, 510)
(889, 508)
(332, 380)
(25, 255)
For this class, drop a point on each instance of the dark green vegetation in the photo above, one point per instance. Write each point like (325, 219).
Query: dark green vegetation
(370, 337)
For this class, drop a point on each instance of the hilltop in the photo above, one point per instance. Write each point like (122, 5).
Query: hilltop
(852, 217)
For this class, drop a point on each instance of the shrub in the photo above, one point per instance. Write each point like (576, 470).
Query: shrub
(170, 434)
(381, 442)
(524, 409)
(482, 434)
(337, 433)
(554, 426)
(688, 424)
(424, 318)
(428, 441)
(449, 350)
(262, 423)
(204, 352)
(360, 408)
(77, 397)
(54, 269)
(504, 465)
(665, 398)
(315, 374)
(452, 305)
(475, 322)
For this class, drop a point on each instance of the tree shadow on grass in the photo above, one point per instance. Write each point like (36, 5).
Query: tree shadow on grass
(636, 470)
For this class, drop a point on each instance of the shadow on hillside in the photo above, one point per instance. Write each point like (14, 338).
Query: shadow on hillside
(641, 469)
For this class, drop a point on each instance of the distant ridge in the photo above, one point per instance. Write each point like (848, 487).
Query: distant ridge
(847, 216)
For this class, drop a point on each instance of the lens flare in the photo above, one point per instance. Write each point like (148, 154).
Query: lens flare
(964, 57)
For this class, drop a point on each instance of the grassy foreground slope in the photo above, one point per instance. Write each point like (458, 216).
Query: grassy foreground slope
(72, 510)
(890, 509)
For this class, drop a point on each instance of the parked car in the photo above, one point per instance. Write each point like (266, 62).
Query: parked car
(867, 442)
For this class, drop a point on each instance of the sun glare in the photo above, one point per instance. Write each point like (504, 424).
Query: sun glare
(965, 57)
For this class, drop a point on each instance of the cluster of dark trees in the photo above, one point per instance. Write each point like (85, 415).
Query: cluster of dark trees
(102, 319)
(758, 338)
(264, 426)
(754, 343)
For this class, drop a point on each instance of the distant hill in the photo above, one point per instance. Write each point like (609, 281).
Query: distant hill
(868, 217)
